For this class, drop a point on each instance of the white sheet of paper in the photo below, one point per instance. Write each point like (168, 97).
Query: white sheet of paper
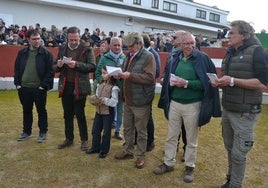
(66, 59)
(173, 77)
(212, 77)
(113, 71)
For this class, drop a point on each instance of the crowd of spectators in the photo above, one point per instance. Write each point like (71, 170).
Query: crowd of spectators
(53, 37)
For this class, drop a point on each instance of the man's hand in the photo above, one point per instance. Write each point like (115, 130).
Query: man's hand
(180, 82)
(223, 81)
(71, 64)
(124, 75)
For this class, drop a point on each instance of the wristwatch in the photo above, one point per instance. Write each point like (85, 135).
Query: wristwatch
(231, 82)
(186, 84)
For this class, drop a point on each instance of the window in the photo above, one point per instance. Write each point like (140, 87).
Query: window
(201, 14)
(155, 4)
(137, 2)
(214, 17)
(172, 7)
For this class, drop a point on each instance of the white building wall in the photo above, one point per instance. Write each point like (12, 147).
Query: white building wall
(187, 9)
(108, 18)
(147, 4)
(30, 14)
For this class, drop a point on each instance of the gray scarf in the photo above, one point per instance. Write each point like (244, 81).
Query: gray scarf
(115, 56)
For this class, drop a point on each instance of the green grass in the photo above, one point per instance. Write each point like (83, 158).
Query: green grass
(36, 165)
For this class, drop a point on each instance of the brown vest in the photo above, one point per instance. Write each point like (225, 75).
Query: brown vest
(104, 90)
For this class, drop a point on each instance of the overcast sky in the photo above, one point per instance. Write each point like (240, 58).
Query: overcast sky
(254, 11)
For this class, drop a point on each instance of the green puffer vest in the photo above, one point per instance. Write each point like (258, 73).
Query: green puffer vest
(139, 94)
(238, 99)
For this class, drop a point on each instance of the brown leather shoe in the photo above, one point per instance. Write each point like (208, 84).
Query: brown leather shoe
(65, 143)
(140, 163)
(84, 145)
(124, 155)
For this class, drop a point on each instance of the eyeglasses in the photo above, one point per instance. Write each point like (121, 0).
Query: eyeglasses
(38, 38)
(233, 33)
(188, 43)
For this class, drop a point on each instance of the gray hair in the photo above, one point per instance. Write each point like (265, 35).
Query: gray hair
(185, 34)
(244, 28)
(117, 39)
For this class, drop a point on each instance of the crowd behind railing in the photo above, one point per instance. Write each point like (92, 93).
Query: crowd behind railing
(54, 37)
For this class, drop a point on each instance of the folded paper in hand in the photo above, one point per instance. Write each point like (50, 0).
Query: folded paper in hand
(113, 71)
(212, 77)
(66, 59)
(173, 78)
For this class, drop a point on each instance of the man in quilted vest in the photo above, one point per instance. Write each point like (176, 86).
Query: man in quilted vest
(138, 76)
(245, 75)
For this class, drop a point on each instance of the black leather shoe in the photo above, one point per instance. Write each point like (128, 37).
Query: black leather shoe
(102, 155)
(150, 147)
(91, 151)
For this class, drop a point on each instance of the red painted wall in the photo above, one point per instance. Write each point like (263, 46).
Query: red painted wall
(8, 56)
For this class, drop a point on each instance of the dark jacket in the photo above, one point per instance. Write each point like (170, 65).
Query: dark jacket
(248, 61)
(157, 61)
(210, 104)
(44, 61)
(85, 63)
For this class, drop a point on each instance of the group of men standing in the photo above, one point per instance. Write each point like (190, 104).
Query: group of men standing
(188, 97)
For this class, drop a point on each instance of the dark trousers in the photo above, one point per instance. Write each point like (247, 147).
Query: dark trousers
(150, 129)
(28, 97)
(102, 123)
(183, 136)
(71, 107)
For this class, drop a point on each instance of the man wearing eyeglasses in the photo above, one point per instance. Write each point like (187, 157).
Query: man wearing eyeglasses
(162, 103)
(191, 101)
(33, 78)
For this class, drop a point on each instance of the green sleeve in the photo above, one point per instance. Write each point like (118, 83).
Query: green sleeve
(98, 69)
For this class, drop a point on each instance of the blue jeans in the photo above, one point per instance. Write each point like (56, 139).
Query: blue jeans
(118, 115)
